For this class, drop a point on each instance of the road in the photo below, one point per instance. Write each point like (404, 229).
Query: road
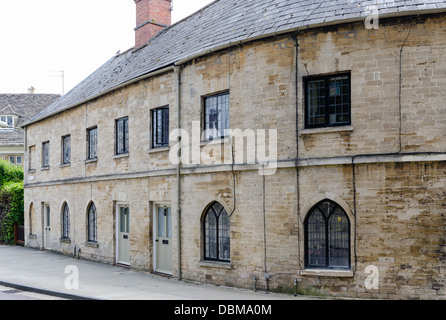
(14, 294)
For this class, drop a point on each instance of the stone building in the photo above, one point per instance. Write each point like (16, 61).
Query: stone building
(15, 110)
(354, 95)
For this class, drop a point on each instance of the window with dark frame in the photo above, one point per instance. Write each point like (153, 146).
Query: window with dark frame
(122, 136)
(327, 101)
(92, 224)
(216, 235)
(46, 154)
(66, 150)
(216, 116)
(327, 237)
(92, 143)
(66, 222)
(160, 127)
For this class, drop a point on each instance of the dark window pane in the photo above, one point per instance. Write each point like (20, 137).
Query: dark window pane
(66, 222)
(328, 101)
(316, 102)
(224, 237)
(327, 240)
(316, 243)
(211, 235)
(46, 154)
(92, 224)
(92, 143)
(338, 229)
(66, 156)
(217, 242)
(216, 116)
(122, 136)
(160, 127)
(126, 135)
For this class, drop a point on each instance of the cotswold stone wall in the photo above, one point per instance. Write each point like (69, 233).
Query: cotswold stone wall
(387, 170)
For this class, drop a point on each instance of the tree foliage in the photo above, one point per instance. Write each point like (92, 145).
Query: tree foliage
(11, 200)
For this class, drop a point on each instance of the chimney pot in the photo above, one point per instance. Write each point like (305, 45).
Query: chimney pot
(31, 90)
(151, 17)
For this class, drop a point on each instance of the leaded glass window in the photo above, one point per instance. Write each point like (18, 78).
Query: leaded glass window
(66, 222)
(216, 234)
(46, 154)
(327, 237)
(216, 116)
(122, 135)
(92, 224)
(328, 101)
(92, 141)
(66, 150)
(160, 127)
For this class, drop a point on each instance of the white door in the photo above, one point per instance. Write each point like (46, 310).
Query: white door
(163, 241)
(47, 227)
(123, 226)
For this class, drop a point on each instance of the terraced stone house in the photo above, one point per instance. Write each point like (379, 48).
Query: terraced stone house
(353, 91)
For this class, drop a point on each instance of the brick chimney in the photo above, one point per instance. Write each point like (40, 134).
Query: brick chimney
(151, 17)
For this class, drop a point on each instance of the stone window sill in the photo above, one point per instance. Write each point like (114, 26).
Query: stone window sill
(215, 264)
(44, 168)
(91, 160)
(328, 273)
(32, 236)
(92, 244)
(120, 156)
(160, 149)
(64, 165)
(215, 141)
(31, 170)
(326, 130)
(65, 240)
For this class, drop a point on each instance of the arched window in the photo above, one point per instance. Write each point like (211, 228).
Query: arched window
(92, 230)
(66, 222)
(31, 217)
(327, 237)
(216, 233)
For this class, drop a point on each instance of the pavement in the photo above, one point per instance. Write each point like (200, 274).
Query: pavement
(62, 276)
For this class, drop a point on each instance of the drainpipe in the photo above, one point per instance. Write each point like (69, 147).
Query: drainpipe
(178, 74)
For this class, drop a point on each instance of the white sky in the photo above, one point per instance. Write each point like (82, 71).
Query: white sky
(40, 38)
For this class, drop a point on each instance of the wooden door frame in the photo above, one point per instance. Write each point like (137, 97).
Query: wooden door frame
(119, 204)
(44, 222)
(155, 207)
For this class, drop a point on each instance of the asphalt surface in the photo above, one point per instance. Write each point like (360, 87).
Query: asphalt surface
(7, 293)
(56, 275)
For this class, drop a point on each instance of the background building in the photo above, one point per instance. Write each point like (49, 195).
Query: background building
(16, 109)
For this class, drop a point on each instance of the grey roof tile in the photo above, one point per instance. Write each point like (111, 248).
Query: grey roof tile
(220, 23)
(25, 106)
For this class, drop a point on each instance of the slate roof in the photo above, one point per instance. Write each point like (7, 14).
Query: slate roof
(25, 106)
(222, 23)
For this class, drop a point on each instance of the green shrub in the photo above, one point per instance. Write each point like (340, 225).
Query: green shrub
(11, 200)
(9, 173)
